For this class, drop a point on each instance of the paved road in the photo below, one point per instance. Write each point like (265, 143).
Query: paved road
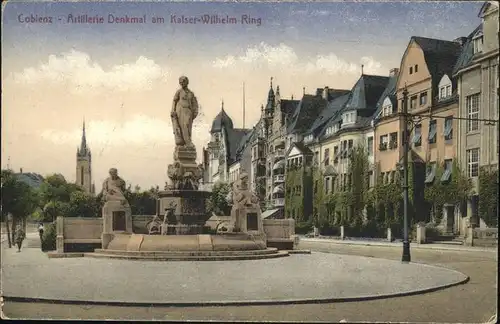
(473, 302)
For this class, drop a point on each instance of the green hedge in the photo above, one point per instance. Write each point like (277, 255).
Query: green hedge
(303, 228)
(49, 237)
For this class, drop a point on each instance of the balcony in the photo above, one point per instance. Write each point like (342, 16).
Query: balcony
(280, 178)
(279, 154)
(279, 202)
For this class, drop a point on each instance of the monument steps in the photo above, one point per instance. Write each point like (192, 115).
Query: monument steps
(187, 257)
(188, 252)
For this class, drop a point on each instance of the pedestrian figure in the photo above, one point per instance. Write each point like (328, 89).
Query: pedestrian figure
(19, 237)
(40, 232)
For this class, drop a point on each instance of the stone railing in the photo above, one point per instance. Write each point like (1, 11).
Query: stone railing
(81, 230)
(280, 233)
(485, 233)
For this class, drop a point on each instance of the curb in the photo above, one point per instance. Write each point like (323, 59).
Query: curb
(413, 246)
(230, 303)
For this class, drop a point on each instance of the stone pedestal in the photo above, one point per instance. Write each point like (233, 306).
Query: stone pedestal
(247, 219)
(189, 205)
(60, 234)
(469, 238)
(117, 218)
(389, 234)
(421, 234)
(342, 232)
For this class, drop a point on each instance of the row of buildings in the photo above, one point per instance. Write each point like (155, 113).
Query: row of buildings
(451, 86)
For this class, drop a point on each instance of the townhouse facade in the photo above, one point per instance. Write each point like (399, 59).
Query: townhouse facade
(477, 81)
(440, 81)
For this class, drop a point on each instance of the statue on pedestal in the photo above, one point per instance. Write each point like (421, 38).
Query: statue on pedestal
(113, 188)
(184, 173)
(184, 111)
(245, 212)
(242, 196)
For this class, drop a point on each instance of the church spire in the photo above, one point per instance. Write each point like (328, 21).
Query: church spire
(83, 144)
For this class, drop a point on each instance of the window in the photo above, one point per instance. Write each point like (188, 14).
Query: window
(335, 154)
(393, 142)
(309, 138)
(448, 128)
(417, 135)
(384, 140)
(327, 184)
(326, 157)
(472, 104)
(413, 102)
(416, 68)
(411, 69)
(448, 91)
(448, 164)
(369, 145)
(473, 163)
(432, 131)
(316, 157)
(478, 44)
(430, 173)
(423, 99)
(387, 110)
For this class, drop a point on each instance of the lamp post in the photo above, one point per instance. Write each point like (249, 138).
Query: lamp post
(406, 242)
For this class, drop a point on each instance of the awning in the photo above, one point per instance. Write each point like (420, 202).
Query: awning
(278, 189)
(269, 213)
(431, 174)
(278, 165)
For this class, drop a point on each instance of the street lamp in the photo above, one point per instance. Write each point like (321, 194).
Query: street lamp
(406, 242)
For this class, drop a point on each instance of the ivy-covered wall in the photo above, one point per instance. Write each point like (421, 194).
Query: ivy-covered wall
(488, 196)
(298, 194)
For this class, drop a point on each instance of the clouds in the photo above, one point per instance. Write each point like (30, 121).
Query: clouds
(281, 55)
(78, 71)
(285, 56)
(139, 130)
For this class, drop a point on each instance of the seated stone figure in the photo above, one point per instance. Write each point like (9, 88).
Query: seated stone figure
(113, 188)
(242, 196)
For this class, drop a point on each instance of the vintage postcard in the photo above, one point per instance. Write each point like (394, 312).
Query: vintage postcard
(225, 161)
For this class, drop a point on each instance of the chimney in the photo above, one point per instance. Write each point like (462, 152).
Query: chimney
(21, 170)
(319, 92)
(460, 40)
(325, 93)
(394, 72)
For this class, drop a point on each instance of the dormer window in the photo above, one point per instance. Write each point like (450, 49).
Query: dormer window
(349, 118)
(387, 107)
(332, 129)
(309, 138)
(477, 42)
(445, 89)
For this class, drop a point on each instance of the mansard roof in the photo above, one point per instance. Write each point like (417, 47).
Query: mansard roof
(308, 109)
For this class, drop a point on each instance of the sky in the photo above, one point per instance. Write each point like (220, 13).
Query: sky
(121, 77)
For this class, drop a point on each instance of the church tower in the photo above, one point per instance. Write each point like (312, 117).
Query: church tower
(84, 165)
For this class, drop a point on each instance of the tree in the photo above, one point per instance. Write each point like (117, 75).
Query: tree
(82, 204)
(18, 199)
(217, 203)
(488, 196)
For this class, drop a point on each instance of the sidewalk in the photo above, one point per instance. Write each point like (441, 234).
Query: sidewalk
(431, 246)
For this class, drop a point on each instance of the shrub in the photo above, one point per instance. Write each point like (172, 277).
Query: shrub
(49, 237)
(432, 232)
(303, 227)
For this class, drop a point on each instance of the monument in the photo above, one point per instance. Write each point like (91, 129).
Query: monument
(116, 212)
(176, 232)
(245, 212)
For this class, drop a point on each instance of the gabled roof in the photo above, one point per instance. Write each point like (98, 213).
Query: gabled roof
(245, 140)
(331, 110)
(390, 91)
(306, 112)
(467, 53)
(234, 137)
(366, 92)
(485, 7)
(304, 150)
(440, 57)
